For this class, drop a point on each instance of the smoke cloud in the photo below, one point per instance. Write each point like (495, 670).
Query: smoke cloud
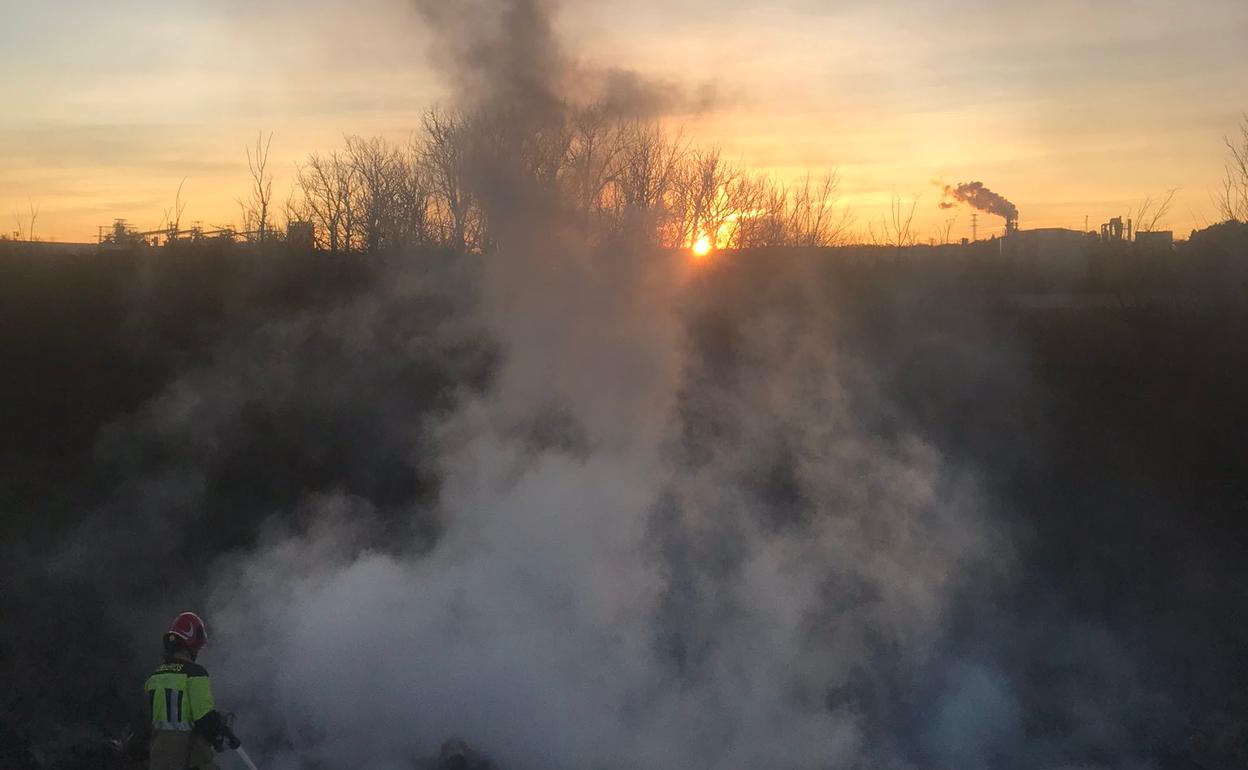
(975, 195)
(508, 53)
(641, 565)
(656, 601)
(496, 51)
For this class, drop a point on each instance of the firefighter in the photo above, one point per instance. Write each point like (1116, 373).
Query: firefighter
(186, 725)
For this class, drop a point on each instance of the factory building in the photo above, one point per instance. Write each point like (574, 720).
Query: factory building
(1061, 254)
(1156, 241)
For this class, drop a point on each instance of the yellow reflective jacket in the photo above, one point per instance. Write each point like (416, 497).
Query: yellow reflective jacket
(184, 716)
(180, 695)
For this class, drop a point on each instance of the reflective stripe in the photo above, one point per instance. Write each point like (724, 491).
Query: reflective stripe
(175, 726)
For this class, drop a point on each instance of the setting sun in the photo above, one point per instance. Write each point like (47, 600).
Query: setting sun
(702, 246)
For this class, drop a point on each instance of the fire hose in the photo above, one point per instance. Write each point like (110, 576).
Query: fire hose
(227, 737)
(242, 753)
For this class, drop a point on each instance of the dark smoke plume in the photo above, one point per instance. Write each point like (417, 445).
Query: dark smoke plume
(507, 53)
(975, 195)
(498, 51)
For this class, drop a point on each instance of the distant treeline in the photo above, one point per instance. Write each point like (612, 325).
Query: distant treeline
(614, 177)
(1210, 265)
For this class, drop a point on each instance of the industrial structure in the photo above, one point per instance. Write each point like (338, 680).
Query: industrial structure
(300, 236)
(120, 235)
(1117, 231)
(1155, 240)
(1114, 230)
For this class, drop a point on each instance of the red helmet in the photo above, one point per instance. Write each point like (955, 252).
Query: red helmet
(189, 630)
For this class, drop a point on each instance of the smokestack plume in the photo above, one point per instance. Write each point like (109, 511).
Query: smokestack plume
(977, 196)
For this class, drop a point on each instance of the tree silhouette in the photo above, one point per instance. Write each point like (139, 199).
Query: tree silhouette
(255, 209)
(1232, 199)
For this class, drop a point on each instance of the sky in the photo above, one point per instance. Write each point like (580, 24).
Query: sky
(1070, 109)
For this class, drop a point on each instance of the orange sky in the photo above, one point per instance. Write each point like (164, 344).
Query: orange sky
(1066, 109)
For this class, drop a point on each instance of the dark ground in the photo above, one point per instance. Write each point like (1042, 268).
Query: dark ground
(1110, 423)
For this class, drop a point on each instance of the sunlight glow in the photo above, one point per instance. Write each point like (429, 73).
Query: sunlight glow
(702, 246)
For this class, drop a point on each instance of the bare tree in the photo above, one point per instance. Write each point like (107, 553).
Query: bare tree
(255, 209)
(317, 200)
(1232, 199)
(392, 194)
(172, 218)
(328, 188)
(745, 199)
(813, 219)
(803, 214)
(592, 159)
(702, 200)
(293, 209)
(545, 144)
(445, 158)
(347, 187)
(379, 168)
(26, 226)
(1151, 212)
(896, 229)
(766, 223)
(613, 177)
(415, 200)
(642, 184)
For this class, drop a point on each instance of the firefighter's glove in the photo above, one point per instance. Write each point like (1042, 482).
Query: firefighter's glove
(227, 733)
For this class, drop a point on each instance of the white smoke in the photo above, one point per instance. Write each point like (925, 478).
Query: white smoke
(610, 603)
(649, 558)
